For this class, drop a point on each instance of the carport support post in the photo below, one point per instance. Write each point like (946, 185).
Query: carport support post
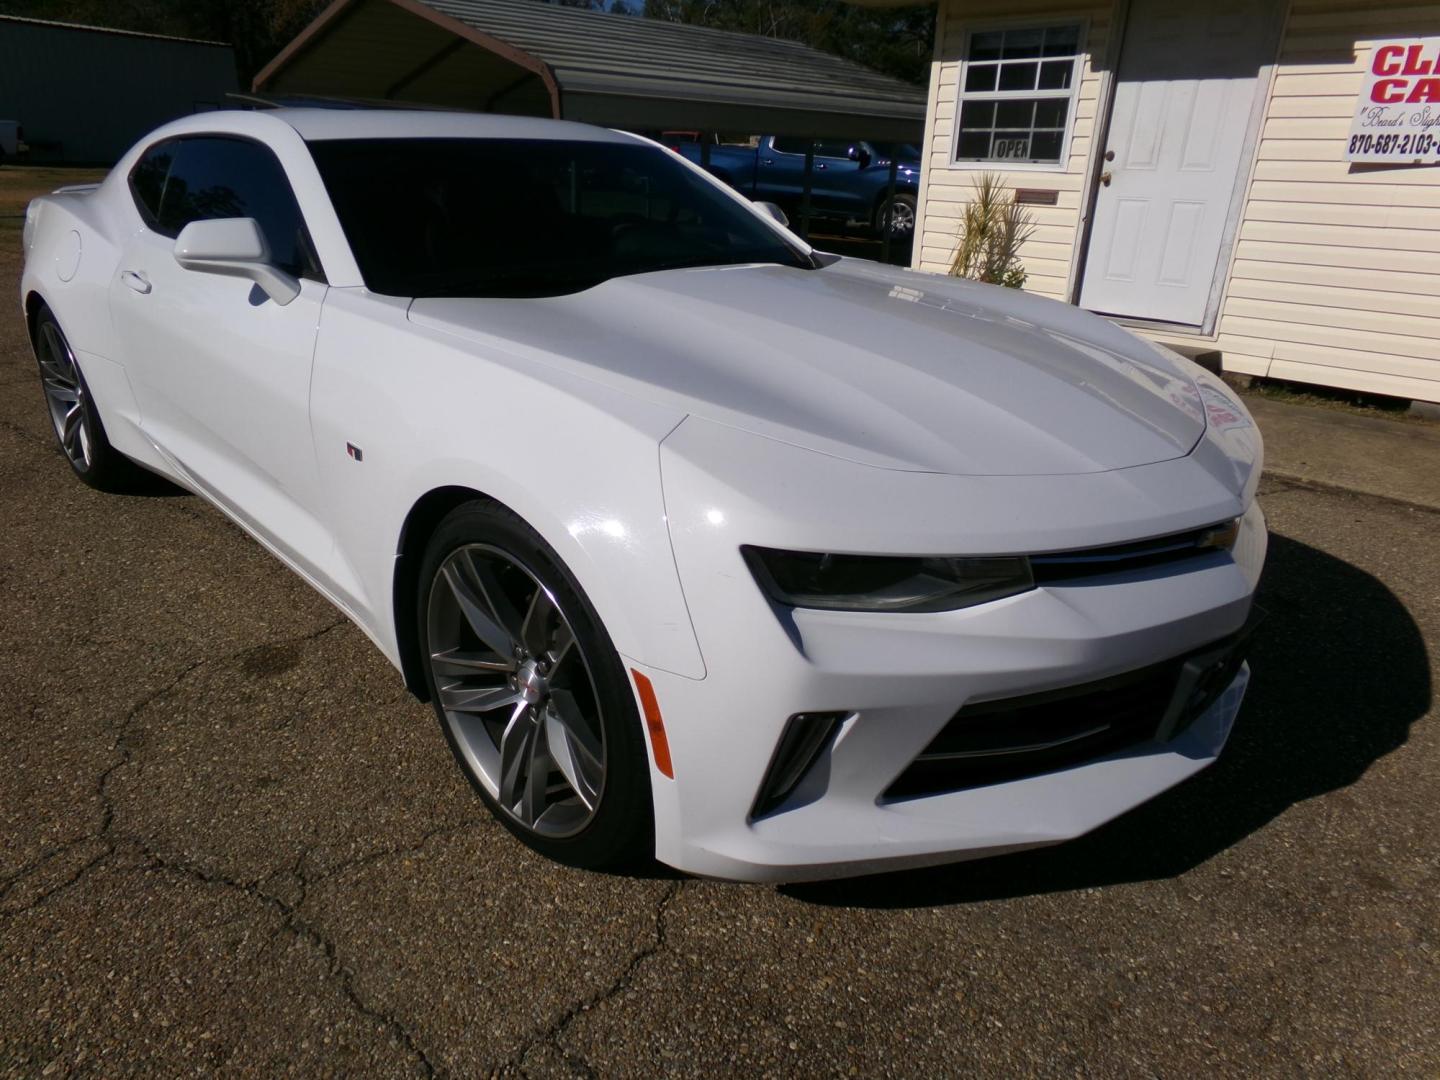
(885, 218)
(805, 190)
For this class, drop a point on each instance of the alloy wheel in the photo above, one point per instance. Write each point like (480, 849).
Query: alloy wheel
(65, 395)
(516, 690)
(900, 218)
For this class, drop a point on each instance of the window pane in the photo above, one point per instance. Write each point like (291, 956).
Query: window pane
(975, 114)
(974, 144)
(790, 144)
(980, 77)
(1018, 76)
(986, 45)
(147, 180)
(1051, 113)
(1022, 43)
(1045, 145)
(832, 149)
(1062, 40)
(1014, 114)
(1011, 145)
(1055, 74)
(1024, 97)
(216, 177)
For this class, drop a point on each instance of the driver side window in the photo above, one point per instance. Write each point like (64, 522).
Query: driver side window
(824, 148)
(214, 176)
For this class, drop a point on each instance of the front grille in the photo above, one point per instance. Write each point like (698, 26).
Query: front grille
(1014, 738)
(1061, 566)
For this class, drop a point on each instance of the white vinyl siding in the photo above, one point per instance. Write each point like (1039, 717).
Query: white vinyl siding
(948, 185)
(1335, 274)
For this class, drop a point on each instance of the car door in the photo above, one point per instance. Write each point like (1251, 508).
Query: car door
(837, 187)
(782, 167)
(221, 372)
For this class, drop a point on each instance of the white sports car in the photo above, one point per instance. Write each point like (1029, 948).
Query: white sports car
(779, 564)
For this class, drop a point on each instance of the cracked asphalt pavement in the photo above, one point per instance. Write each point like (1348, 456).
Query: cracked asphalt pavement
(232, 843)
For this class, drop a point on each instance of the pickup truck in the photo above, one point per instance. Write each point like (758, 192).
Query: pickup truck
(849, 182)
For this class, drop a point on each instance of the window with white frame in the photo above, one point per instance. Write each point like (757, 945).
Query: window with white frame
(1017, 94)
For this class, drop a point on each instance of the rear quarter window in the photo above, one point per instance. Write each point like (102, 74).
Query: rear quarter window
(147, 180)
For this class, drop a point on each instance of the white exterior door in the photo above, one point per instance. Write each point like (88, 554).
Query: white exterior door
(1186, 85)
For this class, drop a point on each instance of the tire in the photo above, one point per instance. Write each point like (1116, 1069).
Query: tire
(898, 214)
(488, 585)
(79, 431)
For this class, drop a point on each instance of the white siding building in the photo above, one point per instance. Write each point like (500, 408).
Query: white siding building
(1257, 178)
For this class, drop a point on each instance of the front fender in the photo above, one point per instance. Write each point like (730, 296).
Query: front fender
(576, 460)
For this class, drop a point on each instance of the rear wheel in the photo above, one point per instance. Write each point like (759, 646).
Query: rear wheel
(78, 429)
(897, 217)
(530, 693)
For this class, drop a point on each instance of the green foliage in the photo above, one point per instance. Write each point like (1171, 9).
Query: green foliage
(895, 41)
(992, 230)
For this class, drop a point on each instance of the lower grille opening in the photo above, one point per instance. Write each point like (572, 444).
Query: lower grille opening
(805, 737)
(1014, 738)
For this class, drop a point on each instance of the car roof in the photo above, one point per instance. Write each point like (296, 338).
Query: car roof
(322, 124)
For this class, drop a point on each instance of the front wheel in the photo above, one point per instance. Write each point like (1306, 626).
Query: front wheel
(530, 692)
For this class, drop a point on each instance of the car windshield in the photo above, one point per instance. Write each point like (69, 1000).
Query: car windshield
(531, 217)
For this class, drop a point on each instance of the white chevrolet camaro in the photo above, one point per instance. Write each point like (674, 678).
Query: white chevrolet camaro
(779, 564)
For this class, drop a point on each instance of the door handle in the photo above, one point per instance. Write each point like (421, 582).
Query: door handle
(133, 279)
(1106, 177)
(819, 165)
(767, 161)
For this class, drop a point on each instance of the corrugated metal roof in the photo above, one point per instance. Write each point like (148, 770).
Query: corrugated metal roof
(628, 55)
(112, 30)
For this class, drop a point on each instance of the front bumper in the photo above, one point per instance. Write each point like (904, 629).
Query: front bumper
(901, 678)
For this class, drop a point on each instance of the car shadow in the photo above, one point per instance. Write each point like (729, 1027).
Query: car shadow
(151, 485)
(1339, 673)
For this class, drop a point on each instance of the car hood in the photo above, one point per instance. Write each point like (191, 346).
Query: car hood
(862, 361)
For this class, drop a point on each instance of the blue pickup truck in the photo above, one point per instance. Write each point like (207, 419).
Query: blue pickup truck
(848, 184)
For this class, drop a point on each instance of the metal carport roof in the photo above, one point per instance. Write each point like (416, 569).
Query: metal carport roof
(522, 56)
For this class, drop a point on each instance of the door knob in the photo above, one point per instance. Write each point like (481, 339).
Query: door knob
(135, 280)
(1105, 178)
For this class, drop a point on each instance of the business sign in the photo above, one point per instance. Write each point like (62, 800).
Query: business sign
(1397, 118)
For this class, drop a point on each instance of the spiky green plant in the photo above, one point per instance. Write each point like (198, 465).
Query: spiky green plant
(992, 230)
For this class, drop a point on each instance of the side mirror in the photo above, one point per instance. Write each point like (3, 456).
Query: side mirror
(234, 247)
(773, 211)
(859, 154)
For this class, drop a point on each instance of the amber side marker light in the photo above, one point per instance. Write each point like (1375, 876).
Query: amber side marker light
(659, 745)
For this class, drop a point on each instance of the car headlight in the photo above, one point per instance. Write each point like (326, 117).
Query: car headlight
(884, 582)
